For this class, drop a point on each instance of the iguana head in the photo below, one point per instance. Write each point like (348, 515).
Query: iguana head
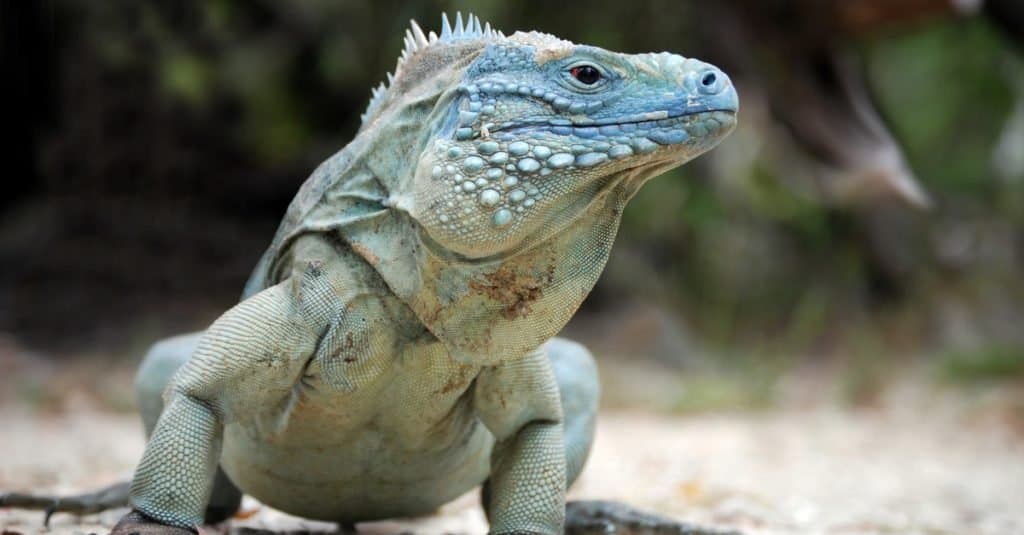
(510, 139)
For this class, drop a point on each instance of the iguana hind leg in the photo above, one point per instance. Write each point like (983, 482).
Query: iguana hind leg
(155, 372)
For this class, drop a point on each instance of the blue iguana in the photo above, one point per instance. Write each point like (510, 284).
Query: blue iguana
(395, 347)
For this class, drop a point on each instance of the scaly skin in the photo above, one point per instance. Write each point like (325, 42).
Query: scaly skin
(393, 348)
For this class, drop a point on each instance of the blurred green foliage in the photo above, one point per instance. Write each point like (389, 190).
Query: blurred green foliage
(985, 363)
(747, 253)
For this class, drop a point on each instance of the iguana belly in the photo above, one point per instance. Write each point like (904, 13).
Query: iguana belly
(351, 456)
(363, 478)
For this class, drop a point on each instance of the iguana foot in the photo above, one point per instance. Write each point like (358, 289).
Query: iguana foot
(601, 517)
(136, 523)
(82, 504)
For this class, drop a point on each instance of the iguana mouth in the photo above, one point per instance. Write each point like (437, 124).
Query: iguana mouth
(630, 125)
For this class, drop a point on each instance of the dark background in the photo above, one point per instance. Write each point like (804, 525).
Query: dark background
(152, 147)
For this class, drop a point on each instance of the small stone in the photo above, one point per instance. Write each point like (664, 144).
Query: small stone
(464, 133)
(494, 173)
(541, 152)
(516, 195)
(498, 158)
(437, 172)
(468, 186)
(528, 202)
(454, 152)
(511, 180)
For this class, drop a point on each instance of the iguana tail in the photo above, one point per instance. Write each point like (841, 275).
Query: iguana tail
(111, 497)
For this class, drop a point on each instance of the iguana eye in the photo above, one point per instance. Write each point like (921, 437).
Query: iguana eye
(586, 74)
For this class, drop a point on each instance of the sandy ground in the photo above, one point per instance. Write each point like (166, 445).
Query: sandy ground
(936, 470)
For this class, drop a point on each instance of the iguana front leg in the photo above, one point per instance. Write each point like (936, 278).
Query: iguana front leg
(519, 403)
(244, 366)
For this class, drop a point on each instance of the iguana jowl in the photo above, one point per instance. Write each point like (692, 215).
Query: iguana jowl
(395, 347)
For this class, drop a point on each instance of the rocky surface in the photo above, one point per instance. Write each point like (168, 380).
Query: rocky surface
(911, 468)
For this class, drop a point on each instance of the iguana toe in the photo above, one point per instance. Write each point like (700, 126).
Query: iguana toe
(136, 523)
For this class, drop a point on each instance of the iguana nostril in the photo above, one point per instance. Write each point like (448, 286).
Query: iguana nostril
(712, 81)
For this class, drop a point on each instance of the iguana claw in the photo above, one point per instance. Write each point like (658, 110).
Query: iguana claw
(82, 504)
(136, 523)
(601, 517)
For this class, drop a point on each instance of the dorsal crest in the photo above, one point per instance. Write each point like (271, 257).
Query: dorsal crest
(416, 42)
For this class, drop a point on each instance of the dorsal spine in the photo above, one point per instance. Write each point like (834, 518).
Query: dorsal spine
(416, 40)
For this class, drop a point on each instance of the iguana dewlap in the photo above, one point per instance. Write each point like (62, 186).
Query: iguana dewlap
(395, 346)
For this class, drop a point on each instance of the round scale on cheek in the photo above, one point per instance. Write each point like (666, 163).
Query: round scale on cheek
(518, 148)
(487, 148)
(620, 151)
(473, 164)
(591, 159)
(560, 160)
(502, 217)
(489, 197)
(528, 165)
